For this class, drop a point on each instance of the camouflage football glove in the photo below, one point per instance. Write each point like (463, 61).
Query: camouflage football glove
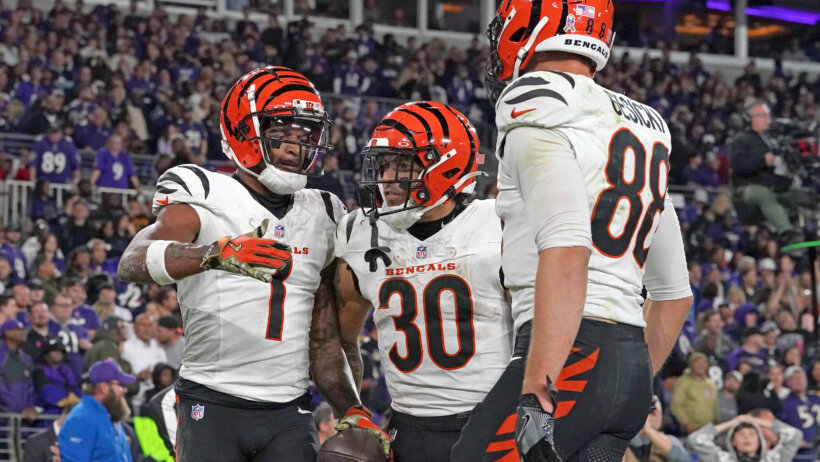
(249, 254)
(359, 417)
(534, 431)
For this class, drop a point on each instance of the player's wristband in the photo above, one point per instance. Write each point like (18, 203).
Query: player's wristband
(155, 262)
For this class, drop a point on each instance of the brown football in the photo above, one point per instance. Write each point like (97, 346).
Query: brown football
(351, 445)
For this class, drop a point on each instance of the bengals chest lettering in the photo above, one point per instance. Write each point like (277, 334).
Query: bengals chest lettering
(420, 269)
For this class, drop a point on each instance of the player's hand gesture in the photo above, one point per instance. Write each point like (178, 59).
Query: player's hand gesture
(249, 254)
(359, 417)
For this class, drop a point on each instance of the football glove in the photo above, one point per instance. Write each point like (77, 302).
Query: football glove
(534, 431)
(359, 417)
(249, 254)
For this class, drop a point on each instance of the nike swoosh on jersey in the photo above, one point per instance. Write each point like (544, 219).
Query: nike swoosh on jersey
(302, 411)
(515, 113)
(164, 201)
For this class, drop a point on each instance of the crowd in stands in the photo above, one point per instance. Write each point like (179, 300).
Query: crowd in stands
(105, 83)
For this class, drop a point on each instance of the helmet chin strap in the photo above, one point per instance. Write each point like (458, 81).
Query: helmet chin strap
(525, 50)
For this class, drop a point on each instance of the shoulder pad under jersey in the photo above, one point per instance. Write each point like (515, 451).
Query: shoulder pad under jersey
(544, 99)
(184, 184)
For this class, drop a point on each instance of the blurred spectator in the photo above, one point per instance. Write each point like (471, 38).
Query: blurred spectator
(16, 371)
(750, 351)
(94, 429)
(38, 335)
(8, 308)
(324, 420)
(745, 441)
(193, 132)
(113, 167)
(143, 351)
(169, 336)
(77, 231)
(769, 331)
(651, 443)
(108, 344)
(727, 398)
(169, 304)
(800, 410)
(163, 376)
(74, 337)
(9, 242)
(774, 374)
(350, 77)
(5, 274)
(754, 394)
(713, 324)
(695, 399)
(93, 133)
(74, 289)
(54, 382)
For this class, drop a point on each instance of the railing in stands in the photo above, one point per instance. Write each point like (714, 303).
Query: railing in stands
(15, 198)
(14, 431)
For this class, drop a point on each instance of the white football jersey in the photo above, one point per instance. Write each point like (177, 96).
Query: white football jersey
(244, 337)
(444, 325)
(622, 148)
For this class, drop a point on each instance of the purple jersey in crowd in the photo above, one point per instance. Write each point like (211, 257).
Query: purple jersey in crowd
(803, 414)
(194, 134)
(70, 335)
(115, 171)
(56, 162)
(85, 316)
(17, 262)
(88, 135)
(758, 360)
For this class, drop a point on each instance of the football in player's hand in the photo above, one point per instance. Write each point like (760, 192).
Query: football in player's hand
(352, 445)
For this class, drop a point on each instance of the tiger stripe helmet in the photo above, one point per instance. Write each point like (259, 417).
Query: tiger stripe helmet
(438, 145)
(257, 109)
(523, 27)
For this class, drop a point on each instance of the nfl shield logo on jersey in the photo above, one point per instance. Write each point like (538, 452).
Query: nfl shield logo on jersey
(421, 252)
(197, 412)
(279, 231)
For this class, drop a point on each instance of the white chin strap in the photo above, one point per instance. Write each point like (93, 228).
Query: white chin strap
(404, 219)
(525, 50)
(280, 181)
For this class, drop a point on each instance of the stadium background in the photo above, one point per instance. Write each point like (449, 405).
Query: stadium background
(154, 72)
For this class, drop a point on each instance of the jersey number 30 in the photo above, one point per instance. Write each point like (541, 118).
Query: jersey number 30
(622, 189)
(432, 315)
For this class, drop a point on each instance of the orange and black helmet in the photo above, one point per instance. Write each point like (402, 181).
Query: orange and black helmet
(270, 106)
(523, 27)
(432, 149)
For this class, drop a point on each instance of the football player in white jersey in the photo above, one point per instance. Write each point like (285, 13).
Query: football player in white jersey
(582, 192)
(258, 309)
(428, 258)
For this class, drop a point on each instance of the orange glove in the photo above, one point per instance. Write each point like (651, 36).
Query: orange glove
(249, 254)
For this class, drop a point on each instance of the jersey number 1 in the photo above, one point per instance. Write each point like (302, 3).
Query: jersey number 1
(621, 188)
(432, 315)
(276, 306)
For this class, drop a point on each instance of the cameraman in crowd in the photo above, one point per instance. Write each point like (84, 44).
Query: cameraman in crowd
(754, 162)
